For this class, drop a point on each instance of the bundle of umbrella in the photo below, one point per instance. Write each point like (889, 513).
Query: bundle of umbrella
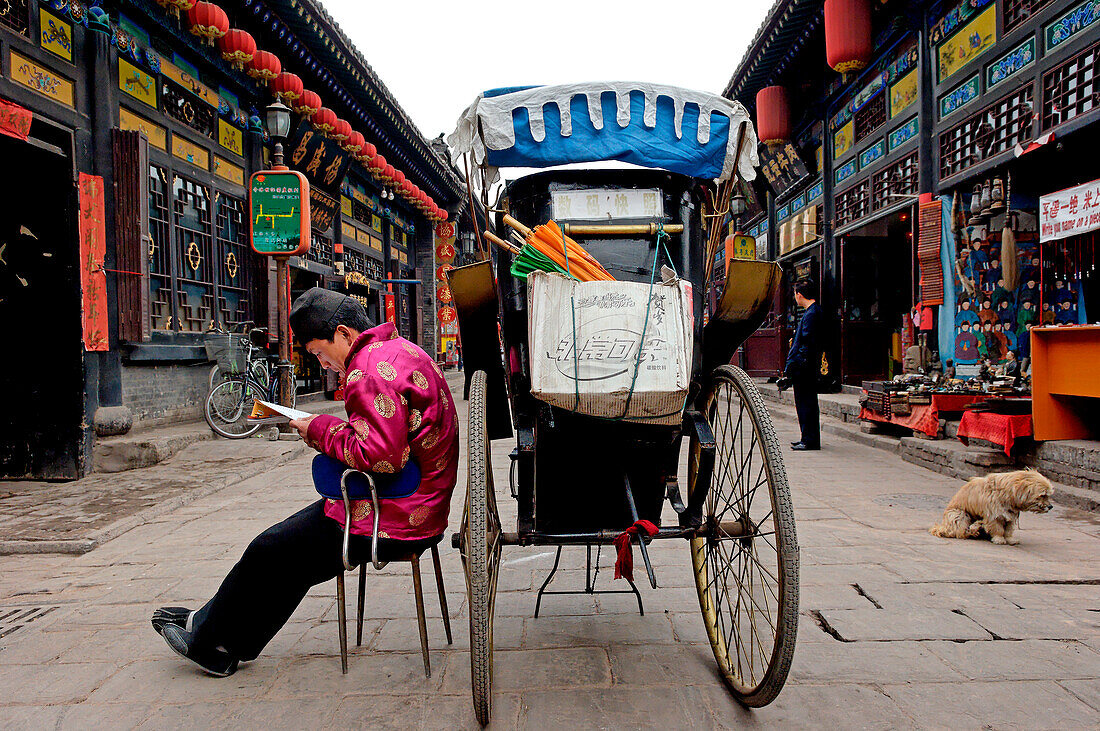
(546, 249)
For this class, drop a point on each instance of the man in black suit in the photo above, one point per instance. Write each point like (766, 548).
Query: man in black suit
(804, 364)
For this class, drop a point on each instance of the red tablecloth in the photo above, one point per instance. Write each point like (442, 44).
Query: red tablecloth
(926, 417)
(1000, 429)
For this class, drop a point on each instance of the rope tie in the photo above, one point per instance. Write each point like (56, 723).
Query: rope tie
(624, 562)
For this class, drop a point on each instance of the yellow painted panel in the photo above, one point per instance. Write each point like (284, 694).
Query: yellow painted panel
(968, 43)
(39, 78)
(230, 137)
(228, 171)
(57, 35)
(903, 93)
(190, 152)
(137, 83)
(157, 135)
(842, 140)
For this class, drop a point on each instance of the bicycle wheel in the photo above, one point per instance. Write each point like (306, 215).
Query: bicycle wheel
(746, 566)
(227, 408)
(480, 551)
(257, 369)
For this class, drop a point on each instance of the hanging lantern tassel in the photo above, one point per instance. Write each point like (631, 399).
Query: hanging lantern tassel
(238, 47)
(848, 34)
(208, 21)
(264, 66)
(288, 87)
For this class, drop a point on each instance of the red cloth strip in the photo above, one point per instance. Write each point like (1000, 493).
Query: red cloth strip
(624, 563)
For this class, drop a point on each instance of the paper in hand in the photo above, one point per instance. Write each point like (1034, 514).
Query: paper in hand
(265, 412)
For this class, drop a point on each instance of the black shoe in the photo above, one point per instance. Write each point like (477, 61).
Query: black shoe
(170, 615)
(803, 447)
(218, 663)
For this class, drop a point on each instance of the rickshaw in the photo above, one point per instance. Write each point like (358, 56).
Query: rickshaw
(586, 480)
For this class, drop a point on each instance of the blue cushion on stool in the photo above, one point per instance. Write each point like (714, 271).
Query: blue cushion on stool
(328, 471)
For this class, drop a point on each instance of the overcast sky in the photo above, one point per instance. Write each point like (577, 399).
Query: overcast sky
(435, 57)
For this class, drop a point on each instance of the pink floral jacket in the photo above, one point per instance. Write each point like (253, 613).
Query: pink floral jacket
(398, 406)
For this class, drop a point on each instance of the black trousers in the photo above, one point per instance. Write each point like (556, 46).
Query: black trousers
(276, 571)
(805, 403)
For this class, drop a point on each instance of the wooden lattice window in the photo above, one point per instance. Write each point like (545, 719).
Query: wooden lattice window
(1071, 89)
(987, 133)
(320, 249)
(160, 251)
(375, 269)
(354, 261)
(871, 116)
(15, 15)
(195, 262)
(895, 183)
(236, 267)
(853, 204)
(1016, 12)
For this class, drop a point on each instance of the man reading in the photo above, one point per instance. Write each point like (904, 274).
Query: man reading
(399, 409)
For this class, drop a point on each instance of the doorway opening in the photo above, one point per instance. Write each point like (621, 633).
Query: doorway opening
(877, 280)
(42, 369)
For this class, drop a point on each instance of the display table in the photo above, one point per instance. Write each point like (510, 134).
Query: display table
(1064, 381)
(925, 418)
(1000, 429)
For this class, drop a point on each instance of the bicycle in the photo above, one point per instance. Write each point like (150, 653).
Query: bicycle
(230, 402)
(258, 363)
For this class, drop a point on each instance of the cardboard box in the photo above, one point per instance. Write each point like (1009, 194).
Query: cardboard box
(595, 379)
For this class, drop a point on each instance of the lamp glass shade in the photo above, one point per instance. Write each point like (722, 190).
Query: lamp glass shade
(277, 119)
(738, 205)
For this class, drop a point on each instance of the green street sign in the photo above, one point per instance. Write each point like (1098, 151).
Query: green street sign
(278, 203)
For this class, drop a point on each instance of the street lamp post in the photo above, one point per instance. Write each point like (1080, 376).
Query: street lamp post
(277, 120)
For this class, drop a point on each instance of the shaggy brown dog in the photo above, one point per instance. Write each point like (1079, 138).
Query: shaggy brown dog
(992, 504)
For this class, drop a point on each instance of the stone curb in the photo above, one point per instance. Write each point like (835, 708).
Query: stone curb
(100, 536)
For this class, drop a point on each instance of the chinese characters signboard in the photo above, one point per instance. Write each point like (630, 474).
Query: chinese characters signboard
(278, 203)
(93, 279)
(782, 167)
(604, 204)
(324, 164)
(1069, 212)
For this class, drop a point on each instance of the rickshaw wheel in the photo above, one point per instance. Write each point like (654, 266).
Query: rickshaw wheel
(480, 550)
(746, 566)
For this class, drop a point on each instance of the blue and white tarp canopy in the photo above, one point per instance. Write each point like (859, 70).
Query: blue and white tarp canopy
(652, 125)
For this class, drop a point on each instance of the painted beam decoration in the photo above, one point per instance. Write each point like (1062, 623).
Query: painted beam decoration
(93, 248)
(960, 96)
(1072, 23)
(1009, 64)
(889, 72)
(958, 50)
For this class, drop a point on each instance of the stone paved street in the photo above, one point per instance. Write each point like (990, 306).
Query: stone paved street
(898, 629)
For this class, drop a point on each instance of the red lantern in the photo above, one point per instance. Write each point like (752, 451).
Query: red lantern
(323, 120)
(368, 152)
(264, 66)
(208, 21)
(238, 47)
(407, 190)
(398, 178)
(447, 314)
(288, 87)
(773, 119)
(848, 34)
(388, 172)
(341, 130)
(377, 165)
(442, 215)
(354, 143)
(308, 103)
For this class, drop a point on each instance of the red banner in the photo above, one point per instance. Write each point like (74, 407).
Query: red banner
(445, 230)
(15, 121)
(391, 309)
(93, 280)
(447, 314)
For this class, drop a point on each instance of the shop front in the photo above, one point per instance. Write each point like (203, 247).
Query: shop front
(877, 283)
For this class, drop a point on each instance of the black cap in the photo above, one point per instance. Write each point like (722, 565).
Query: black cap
(318, 311)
